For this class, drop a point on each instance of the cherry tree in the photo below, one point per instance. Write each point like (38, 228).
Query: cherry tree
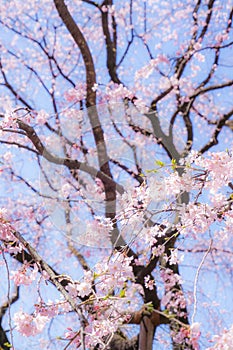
(116, 174)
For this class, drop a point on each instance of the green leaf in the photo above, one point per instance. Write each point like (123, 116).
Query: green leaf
(106, 297)
(174, 164)
(151, 171)
(168, 314)
(149, 306)
(122, 293)
(95, 275)
(159, 163)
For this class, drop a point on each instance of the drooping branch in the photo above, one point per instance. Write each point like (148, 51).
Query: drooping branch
(4, 341)
(52, 275)
(70, 244)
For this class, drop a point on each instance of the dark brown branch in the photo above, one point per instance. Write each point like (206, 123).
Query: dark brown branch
(12, 90)
(29, 185)
(202, 90)
(208, 18)
(162, 138)
(217, 53)
(70, 243)
(5, 306)
(214, 139)
(195, 11)
(109, 185)
(91, 3)
(110, 44)
(45, 267)
(4, 341)
(120, 341)
(185, 110)
(128, 171)
(69, 163)
(130, 41)
(12, 143)
(79, 39)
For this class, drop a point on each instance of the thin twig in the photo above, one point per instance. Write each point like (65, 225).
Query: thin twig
(196, 281)
(8, 297)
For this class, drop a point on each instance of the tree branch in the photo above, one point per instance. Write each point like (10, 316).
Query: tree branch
(110, 44)
(214, 139)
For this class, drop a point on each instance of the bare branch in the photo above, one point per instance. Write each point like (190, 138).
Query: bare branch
(214, 139)
(82, 44)
(110, 44)
(69, 163)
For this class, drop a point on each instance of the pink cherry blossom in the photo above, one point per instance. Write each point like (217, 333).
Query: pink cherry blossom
(29, 325)
(116, 168)
(24, 276)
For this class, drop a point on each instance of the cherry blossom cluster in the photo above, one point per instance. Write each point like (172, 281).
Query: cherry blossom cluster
(7, 234)
(223, 341)
(110, 287)
(190, 335)
(76, 94)
(29, 325)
